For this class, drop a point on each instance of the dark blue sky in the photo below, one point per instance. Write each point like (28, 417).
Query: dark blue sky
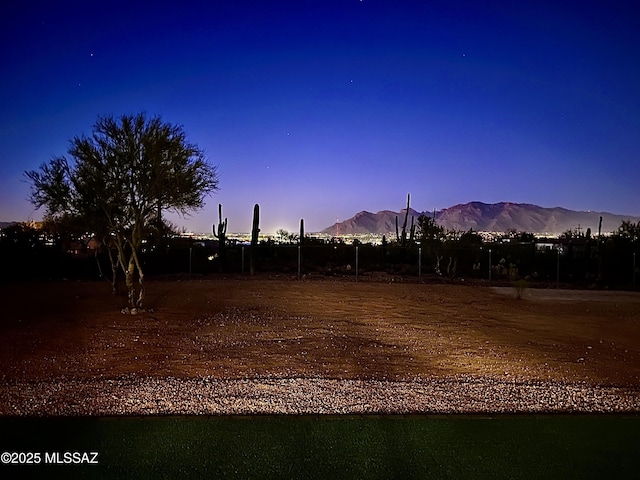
(320, 109)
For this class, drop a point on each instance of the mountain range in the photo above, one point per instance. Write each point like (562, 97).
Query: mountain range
(484, 217)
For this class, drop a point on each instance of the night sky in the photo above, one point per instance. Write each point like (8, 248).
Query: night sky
(320, 109)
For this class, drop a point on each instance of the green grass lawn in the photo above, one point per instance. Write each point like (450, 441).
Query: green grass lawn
(384, 447)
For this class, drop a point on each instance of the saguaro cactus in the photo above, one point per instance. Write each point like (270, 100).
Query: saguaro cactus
(402, 239)
(221, 235)
(301, 231)
(412, 231)
(222, 226)
(600, 228)
(255, 230)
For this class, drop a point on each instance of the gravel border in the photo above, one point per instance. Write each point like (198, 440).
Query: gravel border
(299, 396)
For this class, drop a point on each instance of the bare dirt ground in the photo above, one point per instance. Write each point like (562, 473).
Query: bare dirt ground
(274, 345)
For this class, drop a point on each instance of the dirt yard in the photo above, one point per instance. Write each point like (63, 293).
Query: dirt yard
(279, 329)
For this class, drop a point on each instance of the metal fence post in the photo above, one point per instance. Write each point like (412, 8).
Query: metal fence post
(242, 262)
(299, 266)
(633, 283)
(558, 271)
(356, 264)
(419, 264)
(489, 265)
(190, 249)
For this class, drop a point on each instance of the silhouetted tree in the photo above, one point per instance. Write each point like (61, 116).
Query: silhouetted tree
(527, 237)
(21, 245)
(429, 234)
(470, 240)
(628, 231)
(120, 179)
(283, 235)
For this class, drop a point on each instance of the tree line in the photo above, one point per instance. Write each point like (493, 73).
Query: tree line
(434, 254)
(115, 184)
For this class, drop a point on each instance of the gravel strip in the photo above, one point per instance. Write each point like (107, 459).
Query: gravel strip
(211, 396)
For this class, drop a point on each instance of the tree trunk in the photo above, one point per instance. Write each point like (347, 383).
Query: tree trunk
(114, 268)
(114, 273)
(131, 288)
(134, 256)
(141, 292)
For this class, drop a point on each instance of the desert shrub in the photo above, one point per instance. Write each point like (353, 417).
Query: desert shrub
(519, 284)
